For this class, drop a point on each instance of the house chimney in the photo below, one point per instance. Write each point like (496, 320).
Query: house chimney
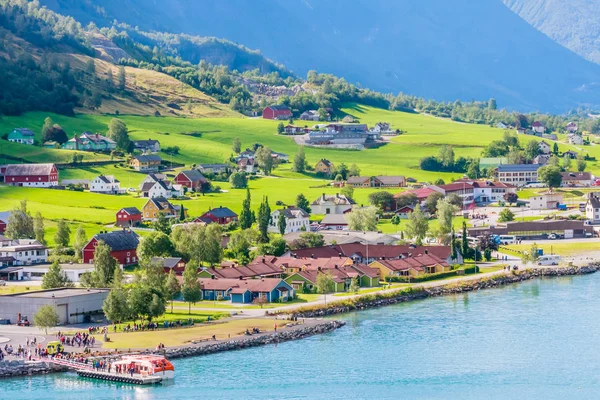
(318, 268)
(313, 256)
(426, 251)
(323, 196)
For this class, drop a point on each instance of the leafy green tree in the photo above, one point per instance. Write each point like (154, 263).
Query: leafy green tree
(506, 215)
(453, 245)
(511, 197)
(264, 218)
(553, 161)
(162, 224)
(264, 159)
(446, 156)
(20, 223)
(104, 266)
(532, 149)
(280, 128)
(117, 131)
(342, 170)
(62, 237)
(276, 247)
(240, 243)
(581, 163)
(555, 148)
(80, 241)
(55, 278)
(90, 67)
(347, 191)
(363, 219)
(308, 240)
(38, 228)
(550, 176)
(116, 306)
(354, 170)
(417, 225)
(396, 221)
(155, 244)
(445, 215)
(122, 78)
(46, 128)
(492, 104)
(245, 218)
(325, 284)
(238, 180)
(281, 223)
(432, 200)
(403, 200)
(236, 145)
(46, 317)
(354, 285)
(303, 203)
(299, 161)
(566, 163)
(173, 287)
(190, 290)
(473, 171)
(382, 199)
(465, 249)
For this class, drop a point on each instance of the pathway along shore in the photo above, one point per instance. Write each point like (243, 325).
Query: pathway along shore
(313, 326)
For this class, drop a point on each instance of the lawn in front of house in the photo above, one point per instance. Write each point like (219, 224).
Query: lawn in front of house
(226, 305)
(182, 336)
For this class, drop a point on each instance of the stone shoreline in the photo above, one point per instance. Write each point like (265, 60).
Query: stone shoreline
(16, 368)
(402, 296)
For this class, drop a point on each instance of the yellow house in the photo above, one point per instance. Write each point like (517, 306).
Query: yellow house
(412, 266)
(145, 163)
(324, 166)
(157, 205)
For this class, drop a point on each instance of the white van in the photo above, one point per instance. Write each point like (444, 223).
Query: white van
(548, 260)
(507, 239)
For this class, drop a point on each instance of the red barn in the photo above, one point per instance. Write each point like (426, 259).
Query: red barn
(277, 111)
(128, 217)
(191, 179)
(35, 175)
(123, 245)
(221, 216)
(4, 216)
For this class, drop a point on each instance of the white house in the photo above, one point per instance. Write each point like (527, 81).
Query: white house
(544, 147)
(106, 184)
(489, 191)
(72, 271)
(538, 127)
(332, 204)
(382, 127)
(545, 201)
(296, 220)
(572, 127)
(24, 251)
(574, 138)
(592, 208)
(518, 174)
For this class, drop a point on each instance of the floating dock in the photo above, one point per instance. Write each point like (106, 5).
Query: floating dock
(123, 378)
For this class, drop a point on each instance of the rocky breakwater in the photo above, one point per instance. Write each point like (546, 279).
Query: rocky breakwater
(15, 368)
(285, 335)
(423, 292)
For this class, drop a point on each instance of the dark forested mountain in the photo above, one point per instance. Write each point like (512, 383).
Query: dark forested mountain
(445, 50)
(573, 23)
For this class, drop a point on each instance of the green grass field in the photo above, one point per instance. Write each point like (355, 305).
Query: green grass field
(423, 136)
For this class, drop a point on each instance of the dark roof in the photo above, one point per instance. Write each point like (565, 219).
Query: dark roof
(146, 186)
(28, 169)
(518, 167)
(534, 226)
(594, 201)
(161, 203)
(326, 162)
(294, 212)
(148, 158)
(576, 176)
(24, 131)
(358, 179)
(145, 143)
(373, 251)
(193, 175)
(131, 210)
(279, 107)
(108, 179)
(221, 212)
(212, 165)
(390, 180)
(167, 262)
(119, 240)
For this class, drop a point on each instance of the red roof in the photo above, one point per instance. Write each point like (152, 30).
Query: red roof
(456, 186)
(537, 124)
(421, 194)
(418, 263)
(374, 251)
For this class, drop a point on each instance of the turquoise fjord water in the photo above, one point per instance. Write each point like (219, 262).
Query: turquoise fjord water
(534, 340)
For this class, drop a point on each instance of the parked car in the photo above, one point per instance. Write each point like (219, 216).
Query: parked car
(552, 236)
(2, 283)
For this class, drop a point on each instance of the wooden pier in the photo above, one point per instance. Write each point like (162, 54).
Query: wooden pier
(136, 379)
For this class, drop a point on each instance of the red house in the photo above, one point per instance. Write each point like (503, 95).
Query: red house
(128, 217)
(35, 175)
(176, 264)
(277, 111)
(4, 220)
(221, 216)
(191, 179)
(123, 245)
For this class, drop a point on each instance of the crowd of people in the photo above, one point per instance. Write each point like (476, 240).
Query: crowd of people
(80, 339)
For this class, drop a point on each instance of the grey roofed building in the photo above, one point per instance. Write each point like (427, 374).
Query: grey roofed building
(28, 169)
(24, 131)
(108, 179)
(193, 175)
(132, 210)
(148, 158)
(119, 240)
(518, 167)
(167, 262)
(222, 212)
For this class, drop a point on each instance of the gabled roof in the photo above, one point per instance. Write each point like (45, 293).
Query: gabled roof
(193, 175)
(161, 203)
(5, 215)
(390, 180)
(28, 169)
(337, 199)
(108, 179)
(334, 219)
(576, 176)
(221, 212)
(279, 107)
(537, 124)
(373, 251)
(145, 143)
(131, 210)
(358, 179)
(148, 158)
(212, 166)
(326, 162)
(518, 167)
(167, 262)
(24, 131)
(418, 262)
(96, 138)
(293, 212)
(421, 193)
(119, 240)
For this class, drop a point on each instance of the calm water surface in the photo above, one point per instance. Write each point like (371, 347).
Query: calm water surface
(535, 340)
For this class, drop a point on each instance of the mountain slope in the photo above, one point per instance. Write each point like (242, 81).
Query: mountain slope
(575, 23)
(433, 48)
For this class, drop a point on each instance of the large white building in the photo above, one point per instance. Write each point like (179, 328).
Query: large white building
(23, 251)
(488, 191)
(331, 204)
(106, 184)
(72, 271)
(545, 201)
(296, 220)
(518, 174)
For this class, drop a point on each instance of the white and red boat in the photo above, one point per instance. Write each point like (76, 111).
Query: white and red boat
(145, 366)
